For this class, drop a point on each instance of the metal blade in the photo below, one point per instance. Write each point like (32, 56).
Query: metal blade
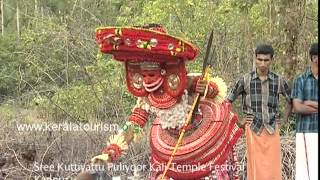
(206, 57)
(204, 65)
(210, 61)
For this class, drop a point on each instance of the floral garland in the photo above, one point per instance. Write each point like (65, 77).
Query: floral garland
(175, 116)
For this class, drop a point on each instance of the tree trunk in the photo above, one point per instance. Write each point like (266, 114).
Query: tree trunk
(270, 18)
(2, 18)
(36, 8)
(18, 22)
(293, 12)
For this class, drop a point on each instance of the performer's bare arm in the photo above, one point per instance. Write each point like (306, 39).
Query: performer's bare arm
(305, 107)
(128, 135)
(104, 158)
(118, 144)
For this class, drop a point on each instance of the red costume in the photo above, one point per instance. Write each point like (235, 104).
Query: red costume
(156, 74)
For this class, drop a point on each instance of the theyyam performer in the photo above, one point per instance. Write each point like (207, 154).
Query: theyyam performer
(193, 126)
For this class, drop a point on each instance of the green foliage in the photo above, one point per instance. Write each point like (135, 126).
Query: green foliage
(87, 102)
(59, 7)
(110, 80)
(257, 18)
(78, 101)
(7, 111)
(8, 77)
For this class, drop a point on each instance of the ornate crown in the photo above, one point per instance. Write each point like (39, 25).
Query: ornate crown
(140, 44)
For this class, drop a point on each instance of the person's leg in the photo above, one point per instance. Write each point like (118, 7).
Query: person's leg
(249, 151)
(301, 162)
(269, 156)
(263, 158)
(312, 152)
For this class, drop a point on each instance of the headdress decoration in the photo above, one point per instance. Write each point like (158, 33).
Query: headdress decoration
(140, 44)
(149, 48)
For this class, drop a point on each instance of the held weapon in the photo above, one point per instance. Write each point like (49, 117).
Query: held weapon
(195, 105)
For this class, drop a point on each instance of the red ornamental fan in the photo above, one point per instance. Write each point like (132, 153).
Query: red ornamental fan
(114, 151)
(203, 147)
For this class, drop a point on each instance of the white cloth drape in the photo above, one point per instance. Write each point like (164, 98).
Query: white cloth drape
(306, 156)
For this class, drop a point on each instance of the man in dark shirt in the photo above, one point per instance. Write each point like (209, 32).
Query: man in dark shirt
(260, 90)
(305, 105)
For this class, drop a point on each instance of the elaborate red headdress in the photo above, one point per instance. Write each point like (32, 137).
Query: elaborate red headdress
(149, 48)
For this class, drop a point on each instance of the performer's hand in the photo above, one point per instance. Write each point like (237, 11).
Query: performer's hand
(102, 159)
(201, 86)
(84, 176)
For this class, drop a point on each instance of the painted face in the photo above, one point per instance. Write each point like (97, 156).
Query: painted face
(147, 77)
(152, 79)
(263, 62)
